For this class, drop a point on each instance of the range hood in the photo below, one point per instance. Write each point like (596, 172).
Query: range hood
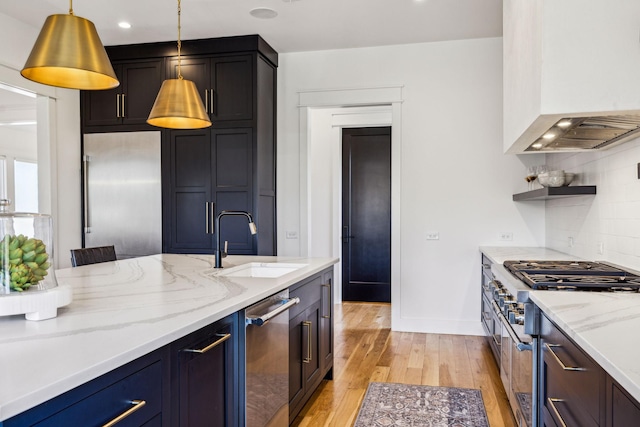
(571, 75)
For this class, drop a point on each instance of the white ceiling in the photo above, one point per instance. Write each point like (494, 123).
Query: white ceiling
(301, 25)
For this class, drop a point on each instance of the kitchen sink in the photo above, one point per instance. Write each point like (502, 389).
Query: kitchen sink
(261, 269)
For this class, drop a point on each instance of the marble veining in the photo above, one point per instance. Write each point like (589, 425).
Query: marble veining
(603, 324)
(120, 311)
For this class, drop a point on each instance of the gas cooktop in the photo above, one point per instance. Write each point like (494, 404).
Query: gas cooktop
(573, 275)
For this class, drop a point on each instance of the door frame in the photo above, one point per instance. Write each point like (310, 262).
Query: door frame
(322, 115)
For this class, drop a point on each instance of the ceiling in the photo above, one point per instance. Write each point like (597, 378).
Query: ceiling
(301, 25)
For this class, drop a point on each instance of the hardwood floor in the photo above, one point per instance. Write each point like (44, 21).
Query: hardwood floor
(367, 351)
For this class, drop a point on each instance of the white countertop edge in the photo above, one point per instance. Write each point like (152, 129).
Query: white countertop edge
(26, 401)
(547, 301)
(598, 352)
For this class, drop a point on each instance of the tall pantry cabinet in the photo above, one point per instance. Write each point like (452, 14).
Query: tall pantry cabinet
(229, 166)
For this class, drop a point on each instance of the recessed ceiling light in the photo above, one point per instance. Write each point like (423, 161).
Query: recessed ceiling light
(124, 25)
(263, 13)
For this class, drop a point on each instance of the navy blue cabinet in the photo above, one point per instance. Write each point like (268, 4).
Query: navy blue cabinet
(310, 338)
(206, 369)
(136, 392)
(205, 172)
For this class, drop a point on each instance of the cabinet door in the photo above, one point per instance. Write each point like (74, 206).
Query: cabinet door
(206, 379)
(198, 70)
(232, 83)
(103, 107)
(304, 364)
(233, 178)
(142, 81)
(623, 410)
(326, 324)
(131, 102)
(188, 227)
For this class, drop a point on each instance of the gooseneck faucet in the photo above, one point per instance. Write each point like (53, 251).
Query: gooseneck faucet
(252, 228)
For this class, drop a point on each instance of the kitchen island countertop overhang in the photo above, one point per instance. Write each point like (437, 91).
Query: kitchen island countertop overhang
(123, 310)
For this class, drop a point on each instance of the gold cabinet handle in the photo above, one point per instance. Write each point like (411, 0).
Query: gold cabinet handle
(118, 106)
(206, 100)
(308, 358)
(123, 104)
(211, 94)
(328, 287)
(223, 338)
(206, 218)
(550, 347)
(137, 404)
(552, 401)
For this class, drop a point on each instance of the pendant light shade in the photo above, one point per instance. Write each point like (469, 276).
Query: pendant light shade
(178, 106)
(68, 53)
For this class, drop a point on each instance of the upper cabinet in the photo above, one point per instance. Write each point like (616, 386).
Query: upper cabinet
(570, 73)
(225, 84)
(129, 103)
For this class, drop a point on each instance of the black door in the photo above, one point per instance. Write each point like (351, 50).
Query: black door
(366, 214)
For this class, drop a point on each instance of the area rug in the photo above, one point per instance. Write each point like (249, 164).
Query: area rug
(391, 404)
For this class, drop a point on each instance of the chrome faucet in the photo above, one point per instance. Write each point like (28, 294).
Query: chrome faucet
(252, 228)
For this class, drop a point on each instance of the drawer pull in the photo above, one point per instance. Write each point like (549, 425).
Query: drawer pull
(137, 404)
(552, 403)
(223, 338)
(555, 356)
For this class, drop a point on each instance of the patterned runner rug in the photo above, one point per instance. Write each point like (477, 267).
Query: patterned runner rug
(390, 404)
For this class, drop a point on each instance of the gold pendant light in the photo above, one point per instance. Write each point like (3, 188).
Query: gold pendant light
(178, 104)
(68, 53)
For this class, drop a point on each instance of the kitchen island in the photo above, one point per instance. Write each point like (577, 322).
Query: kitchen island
(122, 311)
(602, 324)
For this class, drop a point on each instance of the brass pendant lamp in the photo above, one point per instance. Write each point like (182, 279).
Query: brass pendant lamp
(68, 53)
(178, 104)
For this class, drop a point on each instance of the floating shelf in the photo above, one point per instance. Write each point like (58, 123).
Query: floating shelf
(555, 192)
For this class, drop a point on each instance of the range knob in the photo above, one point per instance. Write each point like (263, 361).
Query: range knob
(516, 318)
(500, 293)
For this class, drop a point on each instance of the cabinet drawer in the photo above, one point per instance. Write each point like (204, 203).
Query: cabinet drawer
(574, 384)
(123, 397)
(309, 292)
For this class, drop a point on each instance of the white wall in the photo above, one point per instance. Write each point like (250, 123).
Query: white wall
(454, 178)
(58, 122)
(611, 217)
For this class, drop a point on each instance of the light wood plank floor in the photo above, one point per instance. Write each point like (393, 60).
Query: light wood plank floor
(367, 351)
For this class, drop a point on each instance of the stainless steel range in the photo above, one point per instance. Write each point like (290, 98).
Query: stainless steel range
(519, 317)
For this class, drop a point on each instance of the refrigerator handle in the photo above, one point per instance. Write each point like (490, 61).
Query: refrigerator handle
(85, 178)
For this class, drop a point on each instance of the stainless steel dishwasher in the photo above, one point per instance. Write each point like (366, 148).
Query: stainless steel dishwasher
(267, 361)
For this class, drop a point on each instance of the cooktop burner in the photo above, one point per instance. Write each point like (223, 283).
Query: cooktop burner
(574, 275)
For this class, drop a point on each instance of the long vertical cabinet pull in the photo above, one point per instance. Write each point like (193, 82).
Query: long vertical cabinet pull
(209, 211)
(207, 227)
(328, 299)
(307, 324)
(123, 104)
(206, 100)
(211, 101)
(118, 105)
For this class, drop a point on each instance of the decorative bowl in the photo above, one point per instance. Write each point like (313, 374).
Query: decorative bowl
(568, 178)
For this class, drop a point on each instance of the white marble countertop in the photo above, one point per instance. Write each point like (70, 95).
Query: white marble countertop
(602, 324)
(120, 311)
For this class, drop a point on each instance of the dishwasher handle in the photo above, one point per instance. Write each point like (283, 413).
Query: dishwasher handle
(264, 318)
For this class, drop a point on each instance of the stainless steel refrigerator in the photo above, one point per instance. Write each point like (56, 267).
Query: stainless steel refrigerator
(122, 192)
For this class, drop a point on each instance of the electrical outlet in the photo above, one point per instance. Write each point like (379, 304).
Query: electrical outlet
(434, 235)
(571, 242)
(600, 248)
(506, 235)
(291, 235)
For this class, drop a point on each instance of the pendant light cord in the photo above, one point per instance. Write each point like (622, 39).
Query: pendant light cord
(179, 44)
(70, 7)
